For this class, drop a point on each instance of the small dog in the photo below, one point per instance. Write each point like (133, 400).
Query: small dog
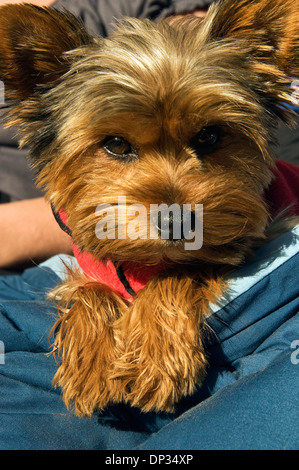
(181, 112)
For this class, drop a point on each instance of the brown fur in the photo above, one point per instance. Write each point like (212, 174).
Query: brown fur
(157, 86)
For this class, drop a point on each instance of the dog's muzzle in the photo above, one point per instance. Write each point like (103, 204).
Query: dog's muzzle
(174, 225)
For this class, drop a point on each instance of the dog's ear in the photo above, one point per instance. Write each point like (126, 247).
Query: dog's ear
(32, 43)
(270, 26)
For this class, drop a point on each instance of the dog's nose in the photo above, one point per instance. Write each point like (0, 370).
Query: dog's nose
(173, 225)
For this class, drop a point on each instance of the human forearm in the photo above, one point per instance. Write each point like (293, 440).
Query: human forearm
(29, 232)
(43, 3)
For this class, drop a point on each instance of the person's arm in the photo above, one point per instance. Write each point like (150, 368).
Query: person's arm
(29, 232)
(42, 3)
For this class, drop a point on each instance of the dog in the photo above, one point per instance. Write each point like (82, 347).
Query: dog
(180, 112)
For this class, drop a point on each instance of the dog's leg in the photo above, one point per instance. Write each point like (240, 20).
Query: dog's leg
(87, 343)
(164, 358)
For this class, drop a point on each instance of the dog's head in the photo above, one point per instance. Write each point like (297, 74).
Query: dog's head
(176, 114)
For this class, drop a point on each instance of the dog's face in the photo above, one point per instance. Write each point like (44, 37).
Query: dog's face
(155, 114)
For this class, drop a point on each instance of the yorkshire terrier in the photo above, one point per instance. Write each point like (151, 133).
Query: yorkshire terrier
(181, 112)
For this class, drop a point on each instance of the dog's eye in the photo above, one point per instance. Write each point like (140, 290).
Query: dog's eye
(206, 140)
(208, 136)
(119, 147)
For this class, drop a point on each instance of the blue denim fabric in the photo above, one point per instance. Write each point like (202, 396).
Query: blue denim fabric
(249, 399)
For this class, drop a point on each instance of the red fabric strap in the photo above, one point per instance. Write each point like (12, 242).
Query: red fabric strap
(283, 191)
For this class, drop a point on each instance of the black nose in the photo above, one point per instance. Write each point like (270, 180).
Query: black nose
(174, 224)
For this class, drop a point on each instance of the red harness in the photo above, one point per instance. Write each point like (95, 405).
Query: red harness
(128, 278)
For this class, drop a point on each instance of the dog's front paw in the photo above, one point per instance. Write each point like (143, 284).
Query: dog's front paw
(87, 344)
(161, 386)
(160, 380)
(164, 359)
